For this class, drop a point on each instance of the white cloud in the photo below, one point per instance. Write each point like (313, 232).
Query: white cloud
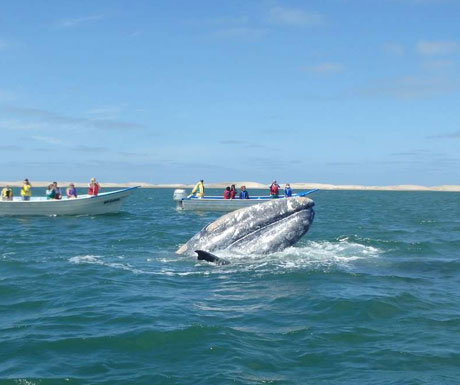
(47, 139)
(135, 33)
(294, 17)
(242, 143)
(394, 49)
(431, 48)
(450, 135)
(442, 65)
(3, 44)
(6, 96)
(74, 22)
(413, 87)
(230, 20)
(242, 32)
(43, 119)
(324, 68)
(427, 1)
(19, 125)
(105, 112)
(10, 147)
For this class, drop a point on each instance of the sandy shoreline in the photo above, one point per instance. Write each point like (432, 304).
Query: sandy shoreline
(249, 185)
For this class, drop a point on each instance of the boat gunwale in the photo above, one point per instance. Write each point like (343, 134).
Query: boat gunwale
(65, 199)
(254, 198)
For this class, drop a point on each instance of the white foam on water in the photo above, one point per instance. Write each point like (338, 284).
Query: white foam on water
(7, 256)
(24, 381)
(340, 254)
(313, 255)
(99, 260)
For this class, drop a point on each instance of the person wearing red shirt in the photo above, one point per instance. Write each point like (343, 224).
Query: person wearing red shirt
(93, 187)
(232, 192)
(274, 189)
(227, 193)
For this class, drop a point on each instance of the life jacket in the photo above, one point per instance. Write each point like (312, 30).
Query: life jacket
(25, 191)
(7, 193)
(93, 189)
(232, 194)
(227, 194)
(274, 189)
(72, 192)
(199, 189)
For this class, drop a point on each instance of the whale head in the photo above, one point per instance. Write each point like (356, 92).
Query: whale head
(258, 229)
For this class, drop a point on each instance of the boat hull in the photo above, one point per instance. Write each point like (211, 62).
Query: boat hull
(215, 203)
(210, 204)
(104, 203)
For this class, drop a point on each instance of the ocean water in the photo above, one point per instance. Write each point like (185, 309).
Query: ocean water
(371, 295)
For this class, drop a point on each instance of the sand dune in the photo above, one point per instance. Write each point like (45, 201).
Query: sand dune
(249, 185)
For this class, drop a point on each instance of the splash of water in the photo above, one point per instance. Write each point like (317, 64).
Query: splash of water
(313, 255)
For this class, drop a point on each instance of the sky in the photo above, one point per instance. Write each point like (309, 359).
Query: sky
(333, 91)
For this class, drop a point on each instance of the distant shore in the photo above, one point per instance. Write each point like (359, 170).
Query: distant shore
(249, 185)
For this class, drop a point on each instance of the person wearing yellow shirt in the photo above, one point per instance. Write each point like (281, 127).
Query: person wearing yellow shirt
(7, 194)
(26, 191)
(199, 189)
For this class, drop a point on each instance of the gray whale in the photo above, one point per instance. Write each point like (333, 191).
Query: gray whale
(260, 229)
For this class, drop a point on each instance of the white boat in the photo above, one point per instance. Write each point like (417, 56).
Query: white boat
(218, 203)
(104, 203)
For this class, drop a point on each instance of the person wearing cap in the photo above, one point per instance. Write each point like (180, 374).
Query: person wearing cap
(199, 189)
(287, 190)
(93, 188)
(7, 193)
(274, 189)
(71, 191)
(26, 191)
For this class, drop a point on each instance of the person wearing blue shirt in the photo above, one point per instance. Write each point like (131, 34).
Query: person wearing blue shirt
(243, 193)
(287, 190)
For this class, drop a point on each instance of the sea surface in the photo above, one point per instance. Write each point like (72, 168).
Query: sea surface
(370, 295)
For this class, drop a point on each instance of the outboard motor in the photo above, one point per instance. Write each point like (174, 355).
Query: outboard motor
(179, 194)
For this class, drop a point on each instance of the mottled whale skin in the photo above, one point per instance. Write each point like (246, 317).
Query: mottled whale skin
(258, 229)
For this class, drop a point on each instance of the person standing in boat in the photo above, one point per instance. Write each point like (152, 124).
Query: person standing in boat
(227, 193)
(7, 193)
(26, 191)
(274, 189)
(287, 190)
(199, 189)
(232, 191)
(244, 193)
(71, 191)
(93, 188)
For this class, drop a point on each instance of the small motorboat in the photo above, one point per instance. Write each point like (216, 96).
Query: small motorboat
(104, 203)
(218, 203)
